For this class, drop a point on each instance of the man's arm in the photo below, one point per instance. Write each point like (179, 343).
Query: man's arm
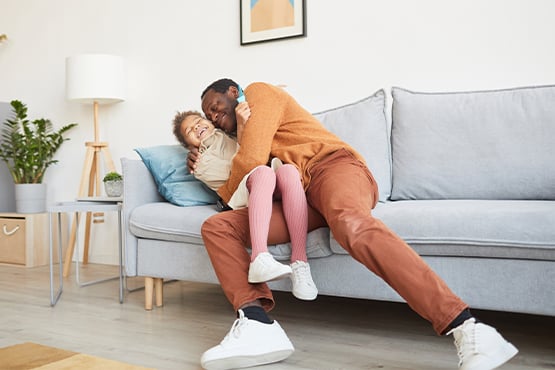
(242, 112)
(267, 104)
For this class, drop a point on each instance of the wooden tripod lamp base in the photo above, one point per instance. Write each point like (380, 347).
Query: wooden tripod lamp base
(90, 186)
(96, 79)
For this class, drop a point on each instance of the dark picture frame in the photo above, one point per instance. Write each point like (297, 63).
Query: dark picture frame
(271, 20)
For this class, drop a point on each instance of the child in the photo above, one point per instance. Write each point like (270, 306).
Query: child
(257, 190)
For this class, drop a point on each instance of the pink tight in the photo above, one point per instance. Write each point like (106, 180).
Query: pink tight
(262, 190)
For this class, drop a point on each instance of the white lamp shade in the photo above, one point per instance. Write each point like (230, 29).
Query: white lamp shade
(95, 77)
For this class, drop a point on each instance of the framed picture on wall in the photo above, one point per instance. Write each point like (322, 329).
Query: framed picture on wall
(269, 20)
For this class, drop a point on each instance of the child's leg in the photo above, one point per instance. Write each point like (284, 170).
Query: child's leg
(295, 209)
(261, 185)
(263, 267)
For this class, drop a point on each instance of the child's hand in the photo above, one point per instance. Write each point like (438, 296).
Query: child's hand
(192, 158)
(242, 112)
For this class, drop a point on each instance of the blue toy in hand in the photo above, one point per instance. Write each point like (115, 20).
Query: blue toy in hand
(241, 97)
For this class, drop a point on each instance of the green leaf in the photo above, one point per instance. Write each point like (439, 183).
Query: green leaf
(28, 147)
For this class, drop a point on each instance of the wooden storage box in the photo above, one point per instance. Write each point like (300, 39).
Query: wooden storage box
(24, 238)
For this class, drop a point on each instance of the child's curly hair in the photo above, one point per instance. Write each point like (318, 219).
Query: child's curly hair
(178, 120)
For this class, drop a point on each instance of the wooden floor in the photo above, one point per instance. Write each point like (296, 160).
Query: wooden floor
(329, 333)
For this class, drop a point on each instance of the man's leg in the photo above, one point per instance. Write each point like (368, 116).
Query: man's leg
(253, 340)
(344, 191)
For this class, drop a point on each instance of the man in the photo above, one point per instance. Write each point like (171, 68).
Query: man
(340, 187)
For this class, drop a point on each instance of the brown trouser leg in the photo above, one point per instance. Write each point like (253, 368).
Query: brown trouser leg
(344, 192)
(225, 236)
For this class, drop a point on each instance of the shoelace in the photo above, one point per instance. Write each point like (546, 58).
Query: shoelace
(461, 338)
(235, 330)
(301, 271)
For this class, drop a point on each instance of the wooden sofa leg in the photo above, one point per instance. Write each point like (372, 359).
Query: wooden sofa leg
(158, 291)
(149, 284)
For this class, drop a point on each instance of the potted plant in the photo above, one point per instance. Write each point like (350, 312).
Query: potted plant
(28, 148)
(113, 184)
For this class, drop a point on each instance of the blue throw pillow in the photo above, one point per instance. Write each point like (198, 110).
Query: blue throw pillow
(168, 166)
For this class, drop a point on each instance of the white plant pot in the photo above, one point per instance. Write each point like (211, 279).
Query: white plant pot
(30, 198)
(113, 188)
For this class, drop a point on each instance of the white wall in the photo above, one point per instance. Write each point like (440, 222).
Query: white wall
(174, 48)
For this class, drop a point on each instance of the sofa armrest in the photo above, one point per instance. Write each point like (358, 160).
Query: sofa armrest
(138, 188)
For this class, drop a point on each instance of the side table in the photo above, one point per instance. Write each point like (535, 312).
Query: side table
(76, 207)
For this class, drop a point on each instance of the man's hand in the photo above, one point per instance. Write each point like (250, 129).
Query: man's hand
(242, 112)
(192, 158)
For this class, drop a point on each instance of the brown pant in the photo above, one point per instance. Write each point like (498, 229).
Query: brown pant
(344, 192)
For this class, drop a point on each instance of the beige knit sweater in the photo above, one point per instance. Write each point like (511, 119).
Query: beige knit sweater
(214, 165)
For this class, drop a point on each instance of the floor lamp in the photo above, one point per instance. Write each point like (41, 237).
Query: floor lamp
(95, 79)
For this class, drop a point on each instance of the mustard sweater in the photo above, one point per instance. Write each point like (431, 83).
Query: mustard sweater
(280, 127)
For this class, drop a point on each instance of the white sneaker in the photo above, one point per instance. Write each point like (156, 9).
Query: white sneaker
(481, 347)
(303, 285)
(248, 343)
(266, 268)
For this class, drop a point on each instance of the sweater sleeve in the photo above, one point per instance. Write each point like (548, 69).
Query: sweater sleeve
(265, 102)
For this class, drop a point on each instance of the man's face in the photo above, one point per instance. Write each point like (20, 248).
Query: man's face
(220, 109)
(194, 129)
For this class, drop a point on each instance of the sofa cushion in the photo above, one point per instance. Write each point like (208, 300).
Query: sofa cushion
(168, 166)
(363, 125)
(474, 145)
(472, 228)
(164, 221)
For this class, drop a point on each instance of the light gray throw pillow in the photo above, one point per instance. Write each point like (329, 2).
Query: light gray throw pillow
(364, 127)
(497, 144)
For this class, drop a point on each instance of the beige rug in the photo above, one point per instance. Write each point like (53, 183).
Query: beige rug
(32, 356)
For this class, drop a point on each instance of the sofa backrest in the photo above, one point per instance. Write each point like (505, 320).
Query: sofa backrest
(497, 144)
(363, 125)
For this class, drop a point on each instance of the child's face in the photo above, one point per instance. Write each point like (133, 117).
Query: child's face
(194, 129)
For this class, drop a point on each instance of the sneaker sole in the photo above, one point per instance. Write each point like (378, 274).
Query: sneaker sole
(239, 362)
(263, 279)
(504, 354)
(305, 297)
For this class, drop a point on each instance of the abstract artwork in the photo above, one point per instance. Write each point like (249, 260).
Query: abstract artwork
(268, 20)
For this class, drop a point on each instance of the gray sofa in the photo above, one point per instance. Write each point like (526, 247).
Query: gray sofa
(466, 178)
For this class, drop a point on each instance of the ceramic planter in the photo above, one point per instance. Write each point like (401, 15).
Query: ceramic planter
(113, 188)
(30, 198)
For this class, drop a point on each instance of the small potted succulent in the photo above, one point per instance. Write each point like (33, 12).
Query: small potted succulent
(113, 184)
